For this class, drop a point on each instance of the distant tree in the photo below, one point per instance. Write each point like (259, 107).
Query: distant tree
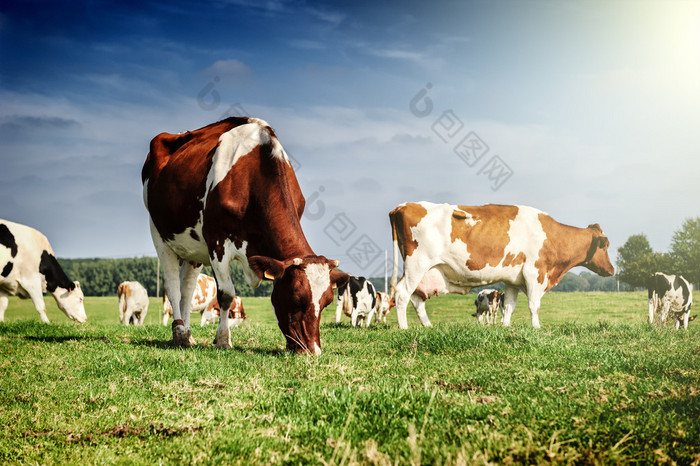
(637, 261)
(685, 250)
(572, 282)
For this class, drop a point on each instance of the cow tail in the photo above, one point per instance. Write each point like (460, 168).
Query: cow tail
(122, 302)
(395, 272)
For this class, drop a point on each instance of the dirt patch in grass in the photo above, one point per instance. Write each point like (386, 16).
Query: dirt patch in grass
(118, 431)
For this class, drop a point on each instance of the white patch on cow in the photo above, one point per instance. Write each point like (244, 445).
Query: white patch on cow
(239, 142)
(319, 279)
(188, 248)
(145, 193)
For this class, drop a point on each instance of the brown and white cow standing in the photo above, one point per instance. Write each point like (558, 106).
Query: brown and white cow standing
(228, 192)
(453, 248)
(133, 303)
(28, 268)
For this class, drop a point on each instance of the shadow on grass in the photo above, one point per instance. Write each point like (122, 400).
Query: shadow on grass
(168, 344)
(61, 339)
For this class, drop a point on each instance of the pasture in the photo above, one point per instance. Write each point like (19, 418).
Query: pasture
(595, 385)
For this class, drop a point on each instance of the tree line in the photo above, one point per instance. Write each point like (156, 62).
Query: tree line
(637, 261)
(101, 277)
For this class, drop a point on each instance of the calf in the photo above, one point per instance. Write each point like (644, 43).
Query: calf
(133, 303)
(384, 304)
(487, 303)
(28, 268)
(357, 300)
(670, 296)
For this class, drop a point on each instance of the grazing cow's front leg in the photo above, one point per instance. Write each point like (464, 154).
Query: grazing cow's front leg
(188, 283)
(339, 309)
(35, 292)
(652, 308)
(4, 300)
(534, 298)
(225, 293)
(509, 301)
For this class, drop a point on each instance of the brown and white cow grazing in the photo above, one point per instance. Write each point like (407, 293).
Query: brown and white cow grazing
(204, 301)
(133, 303)
(453, 248)
(28, 268)
(236, 314)
(384, 304)
(228, 192)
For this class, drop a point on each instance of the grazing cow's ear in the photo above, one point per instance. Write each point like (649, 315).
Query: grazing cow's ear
(339, 279)
(595, 226)
(266, 268)
(691, 318)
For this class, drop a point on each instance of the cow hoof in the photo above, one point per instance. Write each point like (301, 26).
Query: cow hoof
(223, 343)
(182, 337)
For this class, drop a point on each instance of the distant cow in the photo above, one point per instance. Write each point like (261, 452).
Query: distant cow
(236, 314)
(228, 192)
(29, 268)
(487, 303)
(358, 300)
(671, 296)
(133, 303)
(453, 248)
(204, 300)
(384, 304)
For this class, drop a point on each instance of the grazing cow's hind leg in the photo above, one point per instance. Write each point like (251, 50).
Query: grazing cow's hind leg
(4, 300)
(188, 282)
(225, 293)
(509, 301)
(171, 281)
(419, 305)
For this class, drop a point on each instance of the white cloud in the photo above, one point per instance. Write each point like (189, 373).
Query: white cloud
(229, 69)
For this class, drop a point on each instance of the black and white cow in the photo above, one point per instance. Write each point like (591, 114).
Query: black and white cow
(358, 300)
(487, 303)
(28, 268)
(671, 296)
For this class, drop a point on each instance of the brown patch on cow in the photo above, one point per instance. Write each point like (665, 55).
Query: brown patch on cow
(202, 282)
(512, 260)
(486, 240)
(402, 219)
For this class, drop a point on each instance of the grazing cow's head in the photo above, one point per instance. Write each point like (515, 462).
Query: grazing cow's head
(70, 301)
(597, 259)
(302, 288)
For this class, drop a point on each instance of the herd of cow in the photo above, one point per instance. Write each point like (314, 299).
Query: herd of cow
(228, 192)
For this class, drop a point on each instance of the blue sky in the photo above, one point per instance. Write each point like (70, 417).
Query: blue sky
(589, 110)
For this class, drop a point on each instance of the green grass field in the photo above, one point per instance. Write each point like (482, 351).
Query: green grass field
(596, 384)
